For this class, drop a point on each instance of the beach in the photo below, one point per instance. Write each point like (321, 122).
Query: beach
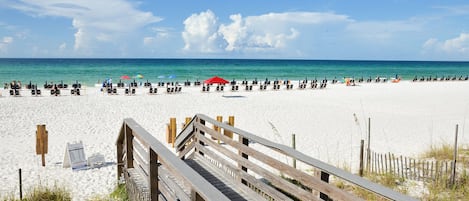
(407, 118)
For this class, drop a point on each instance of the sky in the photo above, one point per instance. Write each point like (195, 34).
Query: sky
(250, 29)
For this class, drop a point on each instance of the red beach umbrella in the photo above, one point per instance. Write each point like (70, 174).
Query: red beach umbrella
(125, 77)
(216, 80)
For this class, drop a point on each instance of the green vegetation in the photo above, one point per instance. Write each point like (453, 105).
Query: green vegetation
(40, 193)
(56, 193)
(120, 193)
(438, 189)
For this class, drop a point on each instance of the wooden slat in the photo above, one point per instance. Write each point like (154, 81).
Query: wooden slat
(174, 189)
(232, 184)
(304, 178)
(249, 178)
(187, 149)
(142, 163)
(184, 135)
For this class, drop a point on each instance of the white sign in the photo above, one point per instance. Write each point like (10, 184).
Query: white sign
(74, 156)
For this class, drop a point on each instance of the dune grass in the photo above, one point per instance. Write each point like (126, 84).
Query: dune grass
(438, 189)
(40, 193)
(57, 193)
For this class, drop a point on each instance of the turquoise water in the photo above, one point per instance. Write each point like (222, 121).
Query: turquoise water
(90, 71)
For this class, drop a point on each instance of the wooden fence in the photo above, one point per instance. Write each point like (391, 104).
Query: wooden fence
(410, 168)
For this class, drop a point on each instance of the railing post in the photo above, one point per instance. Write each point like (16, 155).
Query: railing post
(325, 178)
(120, 148)
(245, 141)
(129, 137)
(153, 182)
(201, 133)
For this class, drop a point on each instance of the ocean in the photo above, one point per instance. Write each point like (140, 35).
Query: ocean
(92, 71)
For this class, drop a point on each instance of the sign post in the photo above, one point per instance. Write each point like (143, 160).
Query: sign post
(41, 142)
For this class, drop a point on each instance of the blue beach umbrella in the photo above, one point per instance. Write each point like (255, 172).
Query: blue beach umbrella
(172, 76)
(161, 77)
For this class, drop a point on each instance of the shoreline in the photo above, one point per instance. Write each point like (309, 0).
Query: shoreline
(406, 118)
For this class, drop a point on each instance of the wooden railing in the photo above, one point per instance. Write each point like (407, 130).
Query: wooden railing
(245, 158)
(153, 172)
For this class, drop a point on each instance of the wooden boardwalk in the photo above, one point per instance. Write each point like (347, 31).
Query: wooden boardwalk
(215, 161)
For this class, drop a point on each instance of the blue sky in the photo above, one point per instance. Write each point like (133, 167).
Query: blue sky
(303, 29)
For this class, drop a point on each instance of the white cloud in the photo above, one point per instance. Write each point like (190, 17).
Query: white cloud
(4, 43)
(234, 33)
(62, 47)
(94, 21)
(268, 32)
(7, 40)
(161, 33)
(381, 30)
(201, 33)
(458, 46)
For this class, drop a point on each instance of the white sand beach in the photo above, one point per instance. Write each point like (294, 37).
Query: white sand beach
(406, 118)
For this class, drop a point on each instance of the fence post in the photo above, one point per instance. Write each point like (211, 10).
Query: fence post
(293, 144)
(21, 185)
(455, 156)
(360, 171)
(368, 157)
(231, 123)
(172, 124)
(218, 129)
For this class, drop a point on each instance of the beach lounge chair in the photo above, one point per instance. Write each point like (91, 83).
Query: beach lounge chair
(150, 91)
(133, 91)
(126, 91)
(72, 91)
(38, 92)
(314, 85)
(12, 93)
